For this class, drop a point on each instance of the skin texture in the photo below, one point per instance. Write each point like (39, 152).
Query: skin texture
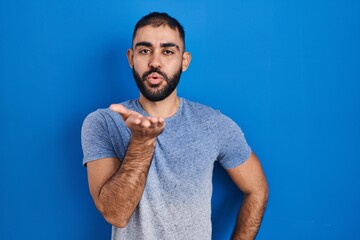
(250, 179)
(117, 188)
(116, 185)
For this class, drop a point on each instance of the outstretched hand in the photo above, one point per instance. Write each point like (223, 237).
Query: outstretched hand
(141, 127)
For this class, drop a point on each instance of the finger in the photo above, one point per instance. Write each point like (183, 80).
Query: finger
(134, 119)
(153, 120)
(145, 122)
(161, 122)
(123, 111)
(156, 122)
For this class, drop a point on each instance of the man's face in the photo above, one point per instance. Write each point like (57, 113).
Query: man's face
(157, 61)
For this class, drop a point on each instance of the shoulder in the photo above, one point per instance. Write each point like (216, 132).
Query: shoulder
(100, 116)
(106, 121)
(198, 108)
(204, 112)
(105, 115)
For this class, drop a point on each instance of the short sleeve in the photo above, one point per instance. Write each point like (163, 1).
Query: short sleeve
(95, 138)
(234, 149)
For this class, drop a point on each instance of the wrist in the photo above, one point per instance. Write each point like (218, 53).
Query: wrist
(141, 141)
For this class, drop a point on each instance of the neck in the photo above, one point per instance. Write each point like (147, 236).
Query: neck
(165, 108)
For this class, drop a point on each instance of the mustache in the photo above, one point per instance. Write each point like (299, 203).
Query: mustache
(154, 70)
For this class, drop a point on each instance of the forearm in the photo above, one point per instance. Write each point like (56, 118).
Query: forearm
(120, 195)
(250, 216)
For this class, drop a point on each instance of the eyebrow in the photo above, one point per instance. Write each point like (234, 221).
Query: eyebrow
(170, 44)
(145, 44)
(164, 45)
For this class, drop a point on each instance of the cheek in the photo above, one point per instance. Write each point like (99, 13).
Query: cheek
(140, 66)
(175, 64)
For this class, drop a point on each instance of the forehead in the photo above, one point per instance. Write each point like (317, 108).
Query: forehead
(157, 35)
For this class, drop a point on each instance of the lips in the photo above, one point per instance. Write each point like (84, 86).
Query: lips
(154, 78)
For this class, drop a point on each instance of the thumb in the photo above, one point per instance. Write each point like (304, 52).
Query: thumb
(123, 111)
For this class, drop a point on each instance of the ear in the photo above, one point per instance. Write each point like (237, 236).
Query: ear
(130, 57)
(186, 61)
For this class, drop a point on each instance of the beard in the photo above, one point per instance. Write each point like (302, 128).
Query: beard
(157, 93)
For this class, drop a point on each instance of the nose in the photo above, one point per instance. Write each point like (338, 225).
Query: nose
(155, 61)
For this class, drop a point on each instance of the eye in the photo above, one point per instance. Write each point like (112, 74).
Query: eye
(168, 52)
(145, 51)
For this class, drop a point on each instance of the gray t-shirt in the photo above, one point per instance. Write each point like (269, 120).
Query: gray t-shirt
(176, 203)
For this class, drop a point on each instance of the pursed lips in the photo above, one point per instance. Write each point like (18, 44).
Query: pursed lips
(154, 78)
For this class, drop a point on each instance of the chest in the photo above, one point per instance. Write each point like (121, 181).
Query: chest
(183, 161)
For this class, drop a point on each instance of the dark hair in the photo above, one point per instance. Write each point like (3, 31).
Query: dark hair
(156, 19)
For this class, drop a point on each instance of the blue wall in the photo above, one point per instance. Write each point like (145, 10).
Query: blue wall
(288, 72)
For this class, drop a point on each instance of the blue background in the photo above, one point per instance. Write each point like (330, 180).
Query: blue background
(288, 72)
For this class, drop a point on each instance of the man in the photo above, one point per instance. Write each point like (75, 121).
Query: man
(150, 160)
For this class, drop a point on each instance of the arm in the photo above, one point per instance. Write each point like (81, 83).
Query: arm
(115, 187)
(250, 179)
